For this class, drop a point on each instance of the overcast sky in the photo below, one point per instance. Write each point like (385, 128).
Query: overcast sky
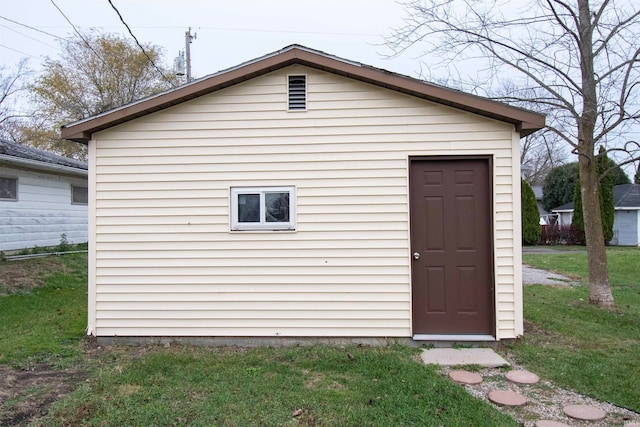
(228, 32)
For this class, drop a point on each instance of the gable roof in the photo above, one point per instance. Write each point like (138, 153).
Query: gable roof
(537, 191)
(625, 197)
(567, 207)
(11, 152)
(525, 121)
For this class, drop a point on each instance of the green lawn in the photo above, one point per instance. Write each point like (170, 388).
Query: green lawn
(45, 323)
(590, 350)
(593, 351)
(182, 385)
(315, 386)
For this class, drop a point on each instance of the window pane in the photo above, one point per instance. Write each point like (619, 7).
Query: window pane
(8, 188)
(80, 195)
(248, 207)
(277, 207)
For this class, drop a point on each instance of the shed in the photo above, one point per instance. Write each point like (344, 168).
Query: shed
(302, 195)
(626, 215)
(42, 197)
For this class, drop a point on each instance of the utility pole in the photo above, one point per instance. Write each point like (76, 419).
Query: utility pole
(188, 38)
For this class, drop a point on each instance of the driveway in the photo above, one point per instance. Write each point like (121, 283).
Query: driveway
(535, 276)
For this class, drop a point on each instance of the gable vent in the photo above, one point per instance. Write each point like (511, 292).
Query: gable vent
(297, 92)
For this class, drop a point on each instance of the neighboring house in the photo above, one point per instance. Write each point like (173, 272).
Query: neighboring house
(304, 195)
(42, 196)
(626, 216)
(546, 217)
(565, 213)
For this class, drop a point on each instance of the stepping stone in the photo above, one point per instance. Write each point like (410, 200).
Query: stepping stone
(507, 398)
(584, 412)
(549, 423)
(465, 377)
(522, 377)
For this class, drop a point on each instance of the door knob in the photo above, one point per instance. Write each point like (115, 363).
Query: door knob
(416, 255)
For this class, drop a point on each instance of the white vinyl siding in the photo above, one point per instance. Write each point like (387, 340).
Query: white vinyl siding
(42, 213)
(626, 227)
(167, 265)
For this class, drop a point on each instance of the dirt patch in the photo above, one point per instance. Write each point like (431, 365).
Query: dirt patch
(25, 394)
(22, 276)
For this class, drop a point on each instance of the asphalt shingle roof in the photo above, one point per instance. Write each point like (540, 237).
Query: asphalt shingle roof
(537, 191)
(624, 196)
(9, 148)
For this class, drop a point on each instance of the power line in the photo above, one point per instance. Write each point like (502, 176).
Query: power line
(139, 45)
(104, 62)
(29, 37)
(80, 34)
(233, 29)
(245, 30)
(266, 30)
(33, 28)
(21, 52)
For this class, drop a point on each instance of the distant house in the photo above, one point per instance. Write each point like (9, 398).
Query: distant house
(42, 196)
(546, 217)
(304, 195)
(565, 213)
(626, 217)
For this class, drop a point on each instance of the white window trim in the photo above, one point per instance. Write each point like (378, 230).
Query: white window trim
(262, 225)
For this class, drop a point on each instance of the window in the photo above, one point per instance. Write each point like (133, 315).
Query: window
(297, 93)
(8, 188)
(262, 208)
(79, 195)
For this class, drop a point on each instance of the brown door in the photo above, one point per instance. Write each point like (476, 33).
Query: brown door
(452, 273)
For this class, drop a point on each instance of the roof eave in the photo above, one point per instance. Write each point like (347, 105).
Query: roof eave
(526, 122)
(42, 166)
(82, 131)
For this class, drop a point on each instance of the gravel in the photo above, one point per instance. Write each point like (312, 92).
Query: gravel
(545, 401)
(531, 276)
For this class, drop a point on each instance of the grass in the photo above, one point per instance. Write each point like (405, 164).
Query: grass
(591, 350)
(624, 270)
(44, 324)
(183, 385)
(315, 386)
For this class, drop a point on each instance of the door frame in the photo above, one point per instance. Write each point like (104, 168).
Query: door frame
(489, 158)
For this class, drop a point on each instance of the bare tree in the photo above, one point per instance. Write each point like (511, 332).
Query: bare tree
(11, 83)
(578, 62)
(541, 152)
